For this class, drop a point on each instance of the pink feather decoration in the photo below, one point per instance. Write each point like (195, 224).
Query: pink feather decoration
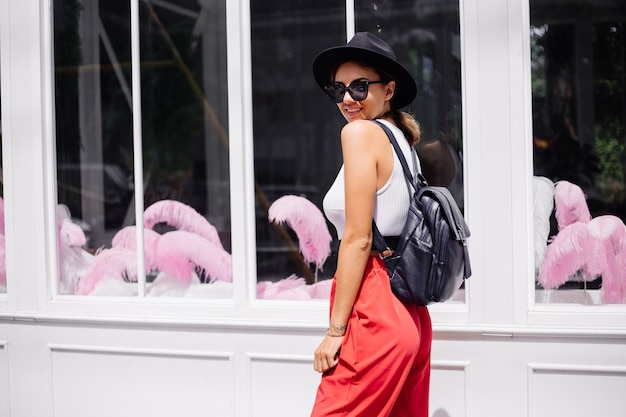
(3, 262)
(290, 288)
(73, 260)
(71, 234)
(565, 255)
(1, 216)
(571, 204)
(309, 224)
(182, 217)
(321, 289)
(607, 256)
(180, 252)
(118, 263)
(127, 238)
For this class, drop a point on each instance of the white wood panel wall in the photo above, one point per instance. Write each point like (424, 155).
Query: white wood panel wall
(78, 370)
(4, 380)
(496, 355)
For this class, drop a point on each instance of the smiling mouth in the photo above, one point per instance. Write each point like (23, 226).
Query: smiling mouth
(353, 111)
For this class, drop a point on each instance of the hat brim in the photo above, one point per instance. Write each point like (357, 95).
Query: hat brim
(326, 61)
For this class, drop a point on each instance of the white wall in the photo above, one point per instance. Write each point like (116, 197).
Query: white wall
(497, 354)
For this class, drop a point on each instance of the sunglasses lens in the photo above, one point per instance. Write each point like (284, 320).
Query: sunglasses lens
(335, 91)
(357, 90)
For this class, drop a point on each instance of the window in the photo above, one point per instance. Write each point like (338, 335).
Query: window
(296, 129)
(159, 159)
(578, 54)
(426, 39)
(141, 137)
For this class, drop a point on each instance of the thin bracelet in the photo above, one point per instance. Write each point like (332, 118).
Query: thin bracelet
(338, 327)
(334, 334)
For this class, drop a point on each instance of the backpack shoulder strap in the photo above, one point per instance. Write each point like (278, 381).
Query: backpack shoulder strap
(396, 147)
(378, 239)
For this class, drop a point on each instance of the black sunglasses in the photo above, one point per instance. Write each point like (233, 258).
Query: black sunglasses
(357, 90)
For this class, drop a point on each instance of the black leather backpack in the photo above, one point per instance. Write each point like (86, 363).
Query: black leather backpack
(431, 259)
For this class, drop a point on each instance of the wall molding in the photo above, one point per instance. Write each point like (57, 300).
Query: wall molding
(574, 368)
(308, 327)
(457, 366)
(272, 357)
(566, 369)
(67, 348)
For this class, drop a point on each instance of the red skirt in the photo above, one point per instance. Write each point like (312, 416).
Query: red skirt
(384, 361)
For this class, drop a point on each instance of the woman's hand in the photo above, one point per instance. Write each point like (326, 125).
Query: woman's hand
(327, 354)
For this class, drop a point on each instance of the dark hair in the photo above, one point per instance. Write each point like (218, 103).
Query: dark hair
(405, 121)
(407, 124)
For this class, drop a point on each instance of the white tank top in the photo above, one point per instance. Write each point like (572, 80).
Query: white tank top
(392, 199)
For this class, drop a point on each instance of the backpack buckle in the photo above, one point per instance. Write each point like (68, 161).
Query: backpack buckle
(386, 253)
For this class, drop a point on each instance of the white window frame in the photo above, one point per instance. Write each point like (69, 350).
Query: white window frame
(593, 319)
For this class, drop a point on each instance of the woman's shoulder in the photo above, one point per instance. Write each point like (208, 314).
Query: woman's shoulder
(358, 126)
(361, 129)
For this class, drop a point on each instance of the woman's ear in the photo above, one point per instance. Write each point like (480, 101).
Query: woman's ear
(390, 90)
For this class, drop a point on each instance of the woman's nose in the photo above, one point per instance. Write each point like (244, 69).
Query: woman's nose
(347, 98)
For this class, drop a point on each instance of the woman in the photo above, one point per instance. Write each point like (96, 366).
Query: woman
(375, 357)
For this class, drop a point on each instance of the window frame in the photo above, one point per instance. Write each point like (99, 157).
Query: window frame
(590, 317)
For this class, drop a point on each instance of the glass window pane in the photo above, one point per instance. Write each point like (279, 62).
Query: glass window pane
(93, 119)
(578, 53)
(296, 132)
(296, 146)
(425, 37)
(185, 144)
(184, 148)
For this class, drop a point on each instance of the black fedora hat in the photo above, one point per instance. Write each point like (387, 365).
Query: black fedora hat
(369, 49)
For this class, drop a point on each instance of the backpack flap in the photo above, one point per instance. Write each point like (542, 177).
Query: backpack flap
(458, 226)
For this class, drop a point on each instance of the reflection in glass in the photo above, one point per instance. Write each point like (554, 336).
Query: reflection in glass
(578, 53)
(184, 146)
(296, 129)
(296, 147)
(425, 37)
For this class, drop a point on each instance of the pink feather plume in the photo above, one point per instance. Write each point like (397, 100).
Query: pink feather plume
(3, 262)
(565, 255)
(127, 238)
(607, 256)
(73, 259)
(293, 288)
(118, 263)
(71, 234)
(180, 252)
(309, 224)
(321, 289)
(290, 288)
(571, 204)
(182, 217)
(1, 216)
